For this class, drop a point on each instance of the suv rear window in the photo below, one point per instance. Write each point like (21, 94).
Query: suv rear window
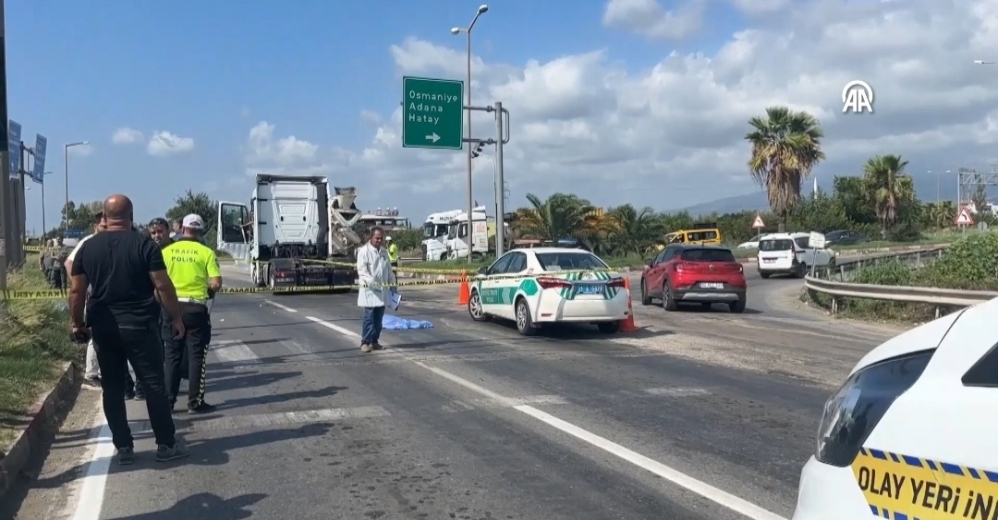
(707, 255)
(781, 244)
(566, 261)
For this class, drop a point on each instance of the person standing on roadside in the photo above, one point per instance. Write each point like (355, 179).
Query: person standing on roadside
(393, 252)
(91, 375)
(375, 273)
(159, 231)
(194, 270)
(125, 272)
(178, 229)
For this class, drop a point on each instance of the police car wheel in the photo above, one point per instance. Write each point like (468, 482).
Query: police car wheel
(524, 323)
(475, 309)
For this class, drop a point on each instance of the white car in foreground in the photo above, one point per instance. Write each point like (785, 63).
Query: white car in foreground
(549, 285)
(913, 431)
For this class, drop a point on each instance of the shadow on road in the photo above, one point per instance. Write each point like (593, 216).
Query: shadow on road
(204, 505)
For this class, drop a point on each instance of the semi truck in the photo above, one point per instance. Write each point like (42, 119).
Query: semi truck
(435, 228)
(293, 232)
(459, 242)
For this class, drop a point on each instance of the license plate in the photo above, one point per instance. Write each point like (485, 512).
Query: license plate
(711, 285)
(768, 260)
(590, 289)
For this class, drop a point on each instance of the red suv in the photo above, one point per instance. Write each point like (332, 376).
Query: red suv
(687, 273)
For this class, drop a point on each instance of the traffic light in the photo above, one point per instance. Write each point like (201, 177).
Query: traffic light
(477, 150)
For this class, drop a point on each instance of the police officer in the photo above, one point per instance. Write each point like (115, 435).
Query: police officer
(393, 252)
(193, 268)
(48, 263)
(159, 231)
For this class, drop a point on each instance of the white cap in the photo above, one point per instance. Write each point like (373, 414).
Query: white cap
(193, 221)
(388, 238)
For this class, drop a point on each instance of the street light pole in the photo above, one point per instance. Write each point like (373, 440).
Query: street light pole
(482, 9)
(66, 167)
(44, 228)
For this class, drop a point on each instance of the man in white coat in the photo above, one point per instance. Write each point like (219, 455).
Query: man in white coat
(374, 270)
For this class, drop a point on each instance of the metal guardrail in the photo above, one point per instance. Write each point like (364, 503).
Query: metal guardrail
(896, 293)
(919, 258)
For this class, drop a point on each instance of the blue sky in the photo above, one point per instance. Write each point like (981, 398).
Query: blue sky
(210, 70)
(661, 94)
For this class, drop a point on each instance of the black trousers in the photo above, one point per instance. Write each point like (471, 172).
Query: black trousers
(167, 335)
(117, 346)
(194, 344)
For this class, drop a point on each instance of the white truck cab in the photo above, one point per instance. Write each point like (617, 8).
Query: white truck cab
(458, 237)
(435, 229)
(792, 253)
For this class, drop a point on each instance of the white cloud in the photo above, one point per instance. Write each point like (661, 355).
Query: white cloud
(83, 150)
(126, 135)
(650, 19)
(283, 156)
(672, 134)
(163, 143)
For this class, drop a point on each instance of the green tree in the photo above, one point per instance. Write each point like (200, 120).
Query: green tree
(198, 204)
(560, 215)
(629, 230)
(786, 146)
(80, 217)
(888, 187)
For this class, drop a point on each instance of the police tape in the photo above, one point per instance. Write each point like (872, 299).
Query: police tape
(297, 289)
(470, 273)
(903, 486)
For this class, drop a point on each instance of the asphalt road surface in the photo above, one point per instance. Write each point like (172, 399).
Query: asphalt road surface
(699, 415)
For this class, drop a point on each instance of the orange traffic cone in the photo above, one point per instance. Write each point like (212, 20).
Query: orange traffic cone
(464, 296)
(628, 322)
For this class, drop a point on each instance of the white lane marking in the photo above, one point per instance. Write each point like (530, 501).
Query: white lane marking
(337, 328)
(701, 488)
(676, 391)
(232, 351)
(678, 478)
(279, 306)
(91, 498)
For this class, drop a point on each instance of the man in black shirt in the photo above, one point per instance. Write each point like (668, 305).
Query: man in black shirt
(125, 270)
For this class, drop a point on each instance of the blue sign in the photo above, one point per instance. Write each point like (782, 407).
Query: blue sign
(14, 144)
(38, 173)
(73, 233)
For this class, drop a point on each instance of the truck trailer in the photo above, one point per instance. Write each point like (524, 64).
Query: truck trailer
(293, 233)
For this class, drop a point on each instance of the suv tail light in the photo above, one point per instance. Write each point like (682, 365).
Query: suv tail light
(856, 408)
(553, 283)
(616, 282)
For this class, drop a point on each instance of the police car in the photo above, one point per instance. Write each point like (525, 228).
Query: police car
(912, 432)
(549, 285)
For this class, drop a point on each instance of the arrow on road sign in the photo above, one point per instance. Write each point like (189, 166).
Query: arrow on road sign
(964, 218)
(433, 137)
(757, 223)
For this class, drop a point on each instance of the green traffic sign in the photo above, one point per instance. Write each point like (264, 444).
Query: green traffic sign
(432, 113)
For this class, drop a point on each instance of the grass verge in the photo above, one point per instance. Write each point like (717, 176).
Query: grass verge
(34, 343)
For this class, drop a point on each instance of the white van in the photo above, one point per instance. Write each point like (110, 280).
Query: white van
(790, 253)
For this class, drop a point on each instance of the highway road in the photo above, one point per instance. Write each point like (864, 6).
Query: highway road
(700, 415)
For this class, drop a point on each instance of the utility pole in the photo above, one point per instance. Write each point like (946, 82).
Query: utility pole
(6, 217)
(499, 184)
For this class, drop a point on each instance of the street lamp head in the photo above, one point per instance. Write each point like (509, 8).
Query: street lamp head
(983, 62)
(455, 30)
(482, 9)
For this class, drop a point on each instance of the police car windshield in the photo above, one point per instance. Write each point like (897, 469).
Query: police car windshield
(566, 261)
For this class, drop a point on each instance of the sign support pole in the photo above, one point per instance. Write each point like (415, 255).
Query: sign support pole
(500, 203)
(5, 238)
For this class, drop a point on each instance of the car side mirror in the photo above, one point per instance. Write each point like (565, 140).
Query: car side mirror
(649, 262)
(483, 270)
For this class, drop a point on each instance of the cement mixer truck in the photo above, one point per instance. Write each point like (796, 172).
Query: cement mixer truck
(293, 232)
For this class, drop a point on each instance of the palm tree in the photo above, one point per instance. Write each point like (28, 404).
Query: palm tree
(559, 216)
(887, 186)
(786, 146)
(634, 231)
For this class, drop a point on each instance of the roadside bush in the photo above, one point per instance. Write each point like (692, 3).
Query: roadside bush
(970, 263)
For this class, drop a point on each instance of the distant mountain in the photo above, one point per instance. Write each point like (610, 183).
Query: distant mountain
(749, 201)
